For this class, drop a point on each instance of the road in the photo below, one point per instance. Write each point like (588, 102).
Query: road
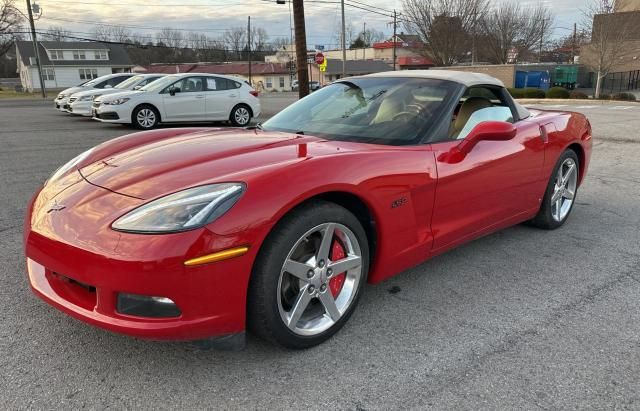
(522, 318)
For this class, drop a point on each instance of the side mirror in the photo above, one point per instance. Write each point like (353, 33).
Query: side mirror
(108, 86)
(137, 87)
(174, 90)
(484, 131)
(487, 131)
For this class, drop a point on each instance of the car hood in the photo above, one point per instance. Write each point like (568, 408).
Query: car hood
(171, 164)
(96, 92)
(71, 90)
(122, 93)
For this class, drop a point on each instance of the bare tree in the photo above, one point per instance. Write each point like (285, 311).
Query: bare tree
(259, 39)
(234, 39)
(102, 33)
(370, 36)
(120, 34)
(509, 31)
(609, 34)
(10, 22)
(56, 33)
(445, 26)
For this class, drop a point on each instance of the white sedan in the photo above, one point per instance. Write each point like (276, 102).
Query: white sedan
(80, 103)
(110, 80)
(188, 97)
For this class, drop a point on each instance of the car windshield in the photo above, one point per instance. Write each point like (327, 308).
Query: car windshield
(93, 82)
(160, 84)
(128, 83)
(393, 111)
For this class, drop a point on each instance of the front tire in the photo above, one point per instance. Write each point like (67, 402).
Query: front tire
(560, 195)
(240, 115)
(145, 117)
(309, 276)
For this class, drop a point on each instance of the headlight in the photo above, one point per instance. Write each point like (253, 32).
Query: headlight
(118, 101)
(181, 211)
(69, 165)
(86, 98)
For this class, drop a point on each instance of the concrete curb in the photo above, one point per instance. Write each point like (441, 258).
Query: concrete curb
(573, 100)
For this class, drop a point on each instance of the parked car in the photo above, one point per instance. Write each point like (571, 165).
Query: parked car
(189, 97)
(313, 85)
(196, 233)
(110, 80)
(81, 103)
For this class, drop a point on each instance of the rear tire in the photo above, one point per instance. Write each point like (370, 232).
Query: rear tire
(302, 309)
(560, 194)
(240, 115)
(145, 117)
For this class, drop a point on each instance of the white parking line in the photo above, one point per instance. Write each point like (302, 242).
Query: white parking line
(621, 107)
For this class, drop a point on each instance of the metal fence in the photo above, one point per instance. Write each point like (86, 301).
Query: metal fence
(618, 82)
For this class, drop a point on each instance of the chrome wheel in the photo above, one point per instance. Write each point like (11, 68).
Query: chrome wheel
(319, 279)
(242, 116)
(146, 118)
(564, 190)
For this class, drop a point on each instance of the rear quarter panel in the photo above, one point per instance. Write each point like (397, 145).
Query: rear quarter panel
(564, 130)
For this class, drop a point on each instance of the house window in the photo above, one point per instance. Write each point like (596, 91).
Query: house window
(101, 55)
(88, 74)
(56, 55)
(48, 74)
(269, 82)
(281, 82)
(79, 55)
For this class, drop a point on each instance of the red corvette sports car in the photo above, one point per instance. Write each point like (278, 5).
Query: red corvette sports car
(199, 233)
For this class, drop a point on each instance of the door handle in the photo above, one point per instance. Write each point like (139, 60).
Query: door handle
(233, 95)
(200, 96)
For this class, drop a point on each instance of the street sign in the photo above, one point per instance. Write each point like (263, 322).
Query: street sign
(319, 58)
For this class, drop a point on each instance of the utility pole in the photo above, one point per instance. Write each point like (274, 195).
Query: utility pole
(573, 45)
(301, 48)
(249, 45)
(364, 43)
(395, 23)
(344, 41)
(35, 49)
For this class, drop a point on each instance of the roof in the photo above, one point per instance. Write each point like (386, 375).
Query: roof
(463, 77)
(257, 68)
(356, 67)
(118, 55)
(169, 68)
(243, 68)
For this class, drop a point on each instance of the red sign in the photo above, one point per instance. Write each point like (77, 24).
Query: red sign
(319, 58)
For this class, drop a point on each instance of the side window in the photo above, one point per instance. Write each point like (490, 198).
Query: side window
(479, 104)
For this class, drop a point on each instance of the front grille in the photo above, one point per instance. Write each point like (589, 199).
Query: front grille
(74, 291)
(72, 99)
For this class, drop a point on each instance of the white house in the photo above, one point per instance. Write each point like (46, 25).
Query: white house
(69, 63)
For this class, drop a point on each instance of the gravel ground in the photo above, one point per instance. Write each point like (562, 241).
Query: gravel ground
(520, 319)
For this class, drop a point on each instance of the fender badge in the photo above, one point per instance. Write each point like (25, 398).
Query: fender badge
(55, 206)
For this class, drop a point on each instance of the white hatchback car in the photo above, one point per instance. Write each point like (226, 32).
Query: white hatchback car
(81, 103)
(104, 82)
(188, 97)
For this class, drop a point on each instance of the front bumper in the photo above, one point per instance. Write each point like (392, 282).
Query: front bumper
(81, 270)
(120, 114)
(60, 103)
(82, 108)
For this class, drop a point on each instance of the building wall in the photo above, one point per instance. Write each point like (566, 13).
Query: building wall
(503, 72)
(260, 83)
(64, 76)
(627, 5)
(628, 61)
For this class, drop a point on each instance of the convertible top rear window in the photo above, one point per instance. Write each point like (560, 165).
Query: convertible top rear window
(393, 111)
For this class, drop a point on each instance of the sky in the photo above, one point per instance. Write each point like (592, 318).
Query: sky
(213, 17)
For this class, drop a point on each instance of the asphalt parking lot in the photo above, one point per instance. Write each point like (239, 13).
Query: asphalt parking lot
(521, 319)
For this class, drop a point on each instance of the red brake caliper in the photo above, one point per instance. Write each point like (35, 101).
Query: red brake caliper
(337, 281)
